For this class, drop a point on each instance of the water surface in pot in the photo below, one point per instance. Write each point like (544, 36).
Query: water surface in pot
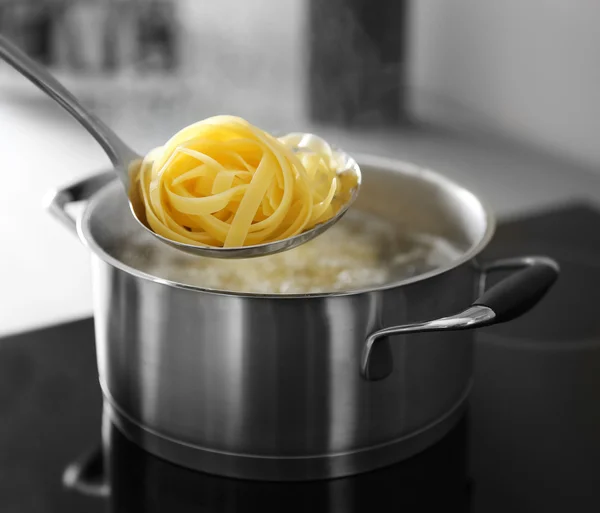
(362, 250)
(407, 221)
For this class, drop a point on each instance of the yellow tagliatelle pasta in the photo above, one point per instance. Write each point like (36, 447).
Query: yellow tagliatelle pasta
(222, 182)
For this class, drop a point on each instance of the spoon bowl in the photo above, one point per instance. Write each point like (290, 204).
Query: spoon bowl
(350, 173)
(126, 163)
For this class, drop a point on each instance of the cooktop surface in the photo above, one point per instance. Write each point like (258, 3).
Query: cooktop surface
(530, 441)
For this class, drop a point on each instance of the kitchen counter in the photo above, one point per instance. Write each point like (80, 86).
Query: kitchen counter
(45, 270)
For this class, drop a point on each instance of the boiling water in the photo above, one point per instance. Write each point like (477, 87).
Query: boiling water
(360, 251)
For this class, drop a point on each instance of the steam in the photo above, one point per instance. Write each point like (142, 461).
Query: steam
(356, 61)
(284, 66)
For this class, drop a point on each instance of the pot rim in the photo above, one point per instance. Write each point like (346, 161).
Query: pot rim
(391, 164)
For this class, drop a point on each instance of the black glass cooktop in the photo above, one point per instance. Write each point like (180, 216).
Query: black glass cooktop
(530, 441)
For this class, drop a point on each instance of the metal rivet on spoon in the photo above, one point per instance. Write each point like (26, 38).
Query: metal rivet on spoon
(126, 163)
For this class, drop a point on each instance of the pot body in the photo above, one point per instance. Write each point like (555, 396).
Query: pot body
(271, 387)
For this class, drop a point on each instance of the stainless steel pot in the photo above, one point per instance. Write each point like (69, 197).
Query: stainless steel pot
(306, 386)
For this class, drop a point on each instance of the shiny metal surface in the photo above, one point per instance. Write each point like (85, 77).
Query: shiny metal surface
(473, 317)
(75, 478)
(476, 316)
(283, 468)
(119, 153)
(127, 162)
(270, 386)
(272, 377)
(56, 201)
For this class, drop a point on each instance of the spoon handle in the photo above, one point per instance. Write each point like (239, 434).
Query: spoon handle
(119, 153)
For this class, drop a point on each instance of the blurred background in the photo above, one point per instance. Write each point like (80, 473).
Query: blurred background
(501, 96)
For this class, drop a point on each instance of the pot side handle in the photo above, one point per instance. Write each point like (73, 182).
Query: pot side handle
(87, 475)
(57, 200)
(507, 300)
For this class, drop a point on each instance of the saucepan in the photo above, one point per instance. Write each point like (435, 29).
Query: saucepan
(302, 386)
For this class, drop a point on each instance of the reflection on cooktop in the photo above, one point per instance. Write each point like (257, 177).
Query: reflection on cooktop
(141, 482)
(530, 441)
(535, 404)
(535, 407)
(535, 426)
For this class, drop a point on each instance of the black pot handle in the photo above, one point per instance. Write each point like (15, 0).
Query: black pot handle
(511, 298)
(521, 291)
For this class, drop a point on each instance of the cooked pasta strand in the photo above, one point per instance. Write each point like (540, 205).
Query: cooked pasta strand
(222, 182)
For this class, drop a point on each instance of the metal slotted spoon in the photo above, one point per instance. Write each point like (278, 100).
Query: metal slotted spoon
(126, 163)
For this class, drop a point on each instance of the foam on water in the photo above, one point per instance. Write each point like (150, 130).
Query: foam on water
(360, 251)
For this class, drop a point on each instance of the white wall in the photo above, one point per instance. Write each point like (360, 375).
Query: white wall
(242, 49)
(529, 68)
